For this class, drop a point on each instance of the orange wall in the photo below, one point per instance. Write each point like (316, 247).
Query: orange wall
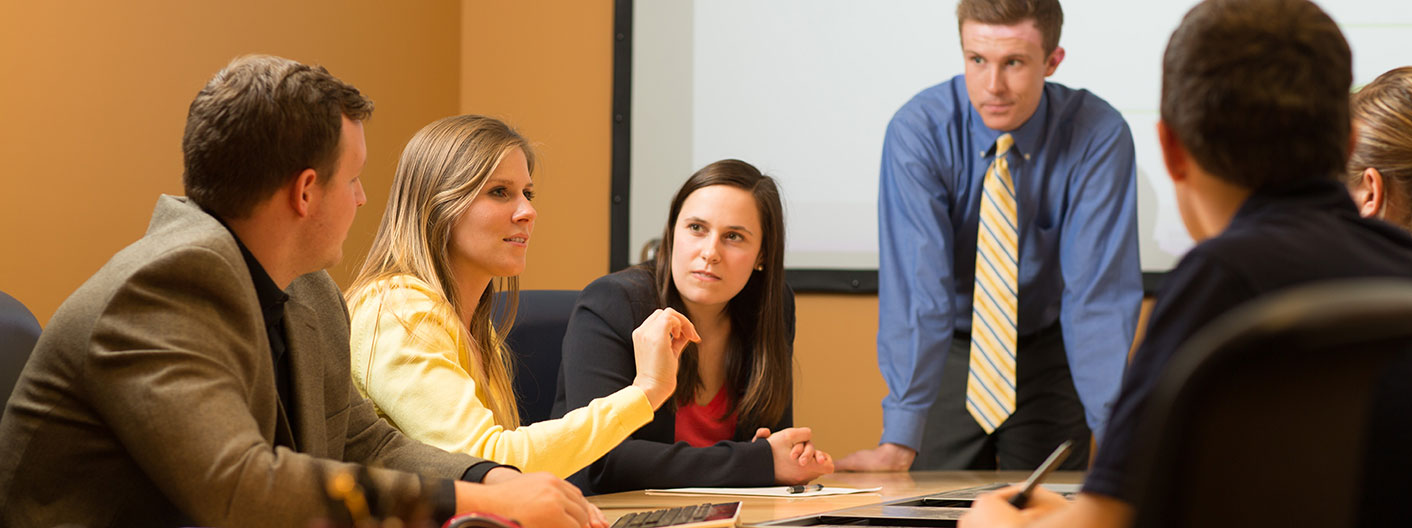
(840, 391)
(547, 69)
(95, 96)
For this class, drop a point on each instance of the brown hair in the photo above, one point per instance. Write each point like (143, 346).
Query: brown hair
(1383, 110)
(1257, 91)
(758, 356)
(443, 168)
(258, 123)
(1047, 15)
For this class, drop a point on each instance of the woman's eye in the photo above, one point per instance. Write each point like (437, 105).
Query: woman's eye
(529, 195)
(735, 237)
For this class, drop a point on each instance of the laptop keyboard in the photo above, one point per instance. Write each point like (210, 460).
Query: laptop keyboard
(697, 515)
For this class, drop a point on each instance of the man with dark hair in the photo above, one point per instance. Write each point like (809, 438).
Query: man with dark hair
(228, 120)
(1009, 284)
(1254, 133)
(201, 376)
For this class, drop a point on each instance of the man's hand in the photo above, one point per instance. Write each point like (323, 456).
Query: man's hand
(993, 510)
(885, 457)
(535, 499)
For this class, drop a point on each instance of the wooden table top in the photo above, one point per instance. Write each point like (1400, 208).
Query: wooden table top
(894, 486)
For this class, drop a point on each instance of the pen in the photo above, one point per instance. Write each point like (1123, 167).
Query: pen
(1057, 457)
(806, 487)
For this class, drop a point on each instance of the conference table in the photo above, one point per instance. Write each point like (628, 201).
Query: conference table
(895, 486)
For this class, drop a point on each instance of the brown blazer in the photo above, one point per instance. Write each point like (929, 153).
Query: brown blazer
(150, 398)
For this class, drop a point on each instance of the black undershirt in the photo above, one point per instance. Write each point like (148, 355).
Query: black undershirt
(272, 300)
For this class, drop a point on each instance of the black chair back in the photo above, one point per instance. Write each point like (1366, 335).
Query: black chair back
(19, 330)
(536, 340)
(1262, 418)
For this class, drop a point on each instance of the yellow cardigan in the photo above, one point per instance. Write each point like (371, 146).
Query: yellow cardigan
(421, 386)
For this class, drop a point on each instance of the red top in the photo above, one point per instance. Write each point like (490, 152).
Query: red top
(704, 425)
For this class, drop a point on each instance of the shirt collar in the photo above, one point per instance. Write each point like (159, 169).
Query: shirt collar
(1027, 137)
(1318, 193)
(271, 298)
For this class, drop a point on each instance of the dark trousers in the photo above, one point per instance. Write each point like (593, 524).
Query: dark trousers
(1047, 412)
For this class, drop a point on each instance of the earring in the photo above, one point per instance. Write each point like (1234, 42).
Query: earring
(760, 267)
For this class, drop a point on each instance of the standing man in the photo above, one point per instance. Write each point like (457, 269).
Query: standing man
(1009, 277)
(201, 376)
(1255, 132)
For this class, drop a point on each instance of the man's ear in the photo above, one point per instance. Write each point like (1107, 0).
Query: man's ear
(1174, 154)
(1371, 194)
(301, 192)
(1051, 63)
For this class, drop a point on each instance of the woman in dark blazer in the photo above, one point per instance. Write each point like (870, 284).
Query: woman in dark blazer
(721, 263)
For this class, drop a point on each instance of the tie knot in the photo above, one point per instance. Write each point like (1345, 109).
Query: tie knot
(1003, 144)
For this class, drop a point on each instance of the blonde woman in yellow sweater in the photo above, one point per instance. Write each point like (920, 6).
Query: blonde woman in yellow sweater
(424, 348)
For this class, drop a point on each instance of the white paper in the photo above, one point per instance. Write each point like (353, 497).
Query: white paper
(768, 491)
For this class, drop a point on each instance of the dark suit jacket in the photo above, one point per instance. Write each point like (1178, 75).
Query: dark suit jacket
(150, 399)
(598, 360)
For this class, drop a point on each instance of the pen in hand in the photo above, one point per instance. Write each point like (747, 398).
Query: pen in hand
(1057, 457)
(806, 487)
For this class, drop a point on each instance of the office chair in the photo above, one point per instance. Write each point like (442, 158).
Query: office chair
(537, 339)
(1262, 418)
(19, 330)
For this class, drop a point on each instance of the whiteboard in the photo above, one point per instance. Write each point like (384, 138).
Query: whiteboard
(804, 89)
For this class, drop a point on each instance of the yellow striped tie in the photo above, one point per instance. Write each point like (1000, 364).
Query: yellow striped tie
(990, 388)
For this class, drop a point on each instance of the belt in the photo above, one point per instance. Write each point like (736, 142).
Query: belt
(1043, 333)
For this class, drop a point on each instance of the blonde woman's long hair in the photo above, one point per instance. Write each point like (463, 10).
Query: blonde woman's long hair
(442, 169)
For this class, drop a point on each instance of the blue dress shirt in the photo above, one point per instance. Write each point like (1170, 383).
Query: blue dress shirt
(1075, 186)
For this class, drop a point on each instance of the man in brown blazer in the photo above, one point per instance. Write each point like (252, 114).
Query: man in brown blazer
(201, 376)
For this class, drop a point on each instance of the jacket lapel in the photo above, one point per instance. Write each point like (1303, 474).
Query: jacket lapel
(176, 217)
(284, 434)
(307, 377)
